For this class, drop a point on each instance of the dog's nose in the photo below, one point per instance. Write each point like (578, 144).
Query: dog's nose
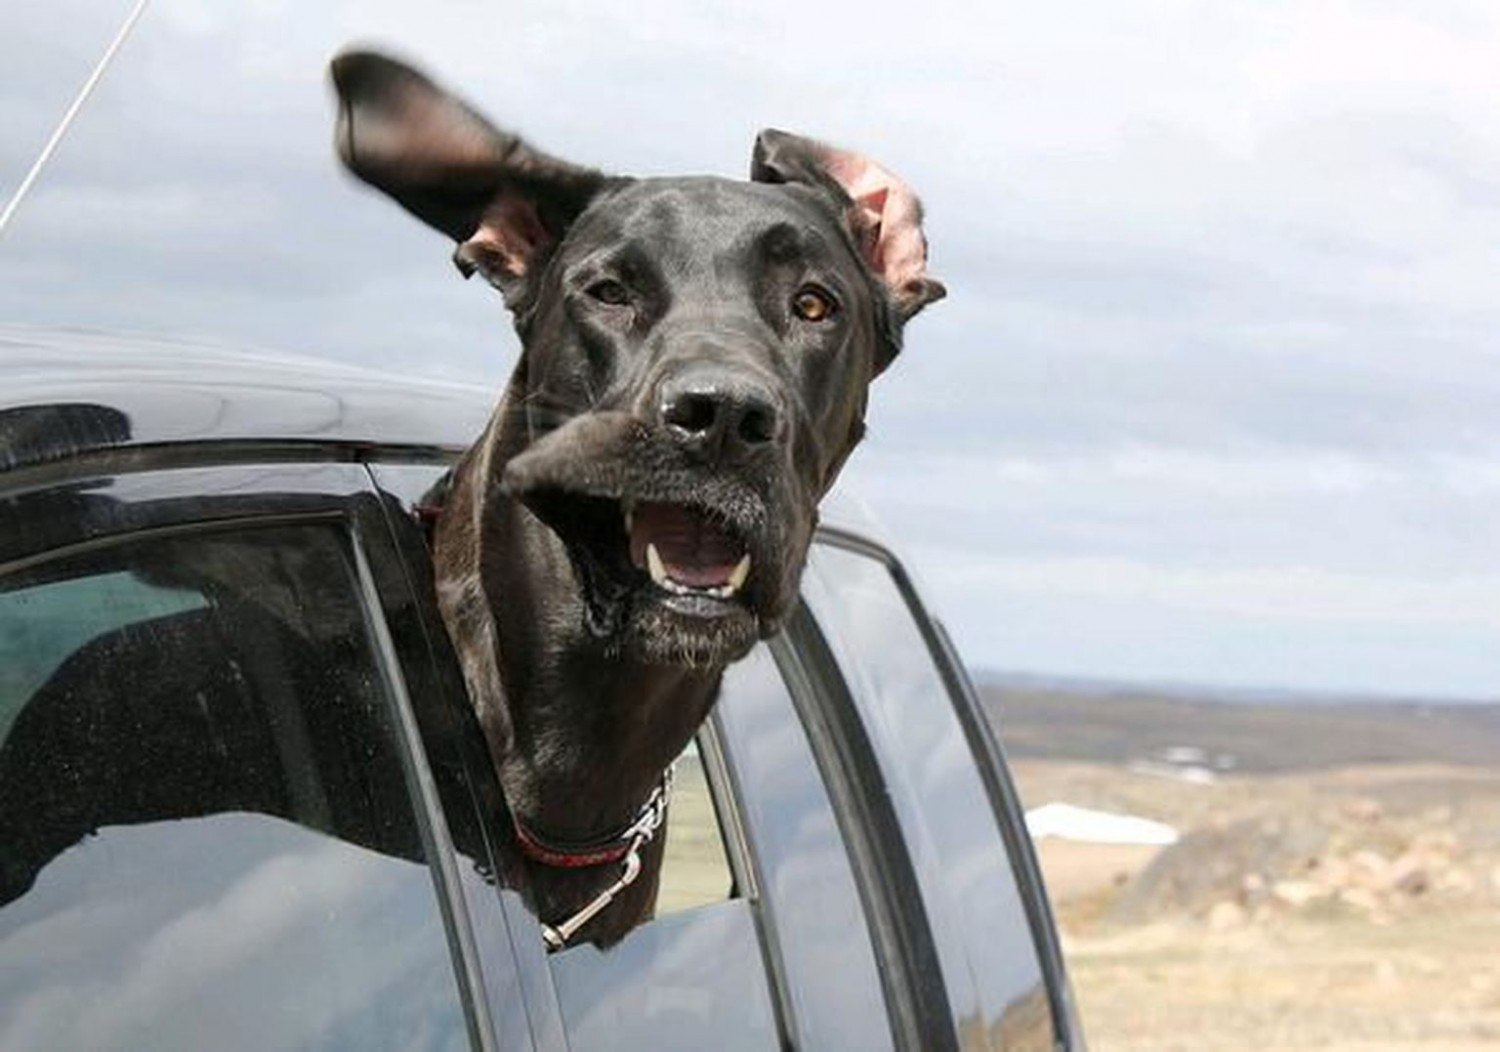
(723, 412)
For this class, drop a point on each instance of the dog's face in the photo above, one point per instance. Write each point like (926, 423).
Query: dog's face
(696, 351)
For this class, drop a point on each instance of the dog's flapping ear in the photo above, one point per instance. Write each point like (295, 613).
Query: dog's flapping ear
(505, 202)
(882, 211)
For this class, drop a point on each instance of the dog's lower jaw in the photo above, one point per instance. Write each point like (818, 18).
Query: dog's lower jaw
(659, 638)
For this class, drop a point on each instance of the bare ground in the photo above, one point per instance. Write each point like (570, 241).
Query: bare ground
(1428, 983)
(1355, 909)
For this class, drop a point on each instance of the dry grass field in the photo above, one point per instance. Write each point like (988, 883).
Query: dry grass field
(695, 871)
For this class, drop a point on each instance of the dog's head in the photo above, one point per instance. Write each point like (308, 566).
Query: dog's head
(696, 351)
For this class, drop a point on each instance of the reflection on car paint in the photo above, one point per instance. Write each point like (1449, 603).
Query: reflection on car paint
(205, 816)
(228, 931)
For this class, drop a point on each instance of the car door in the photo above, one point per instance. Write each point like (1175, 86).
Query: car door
(218, 826)
(823, 937)
(879, 887)
(691, 978)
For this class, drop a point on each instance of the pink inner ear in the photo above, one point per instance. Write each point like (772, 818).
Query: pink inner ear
(890, 216)
(508, 239)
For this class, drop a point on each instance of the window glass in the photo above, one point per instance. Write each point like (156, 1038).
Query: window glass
(206, 838)
(695, 976)
(690, 981)
(45, 624)
(812, 905)
(990, 964)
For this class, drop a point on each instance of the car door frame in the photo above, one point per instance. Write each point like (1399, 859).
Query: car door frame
(989, 756)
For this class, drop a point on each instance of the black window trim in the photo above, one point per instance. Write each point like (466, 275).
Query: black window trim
(994, 773)
(209, 453)
(207, 524)
(915, 994)
(441, 685)
(423, 792)
(724, 790)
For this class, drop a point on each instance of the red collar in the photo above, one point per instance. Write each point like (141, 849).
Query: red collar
(571, 856)
(600, 851)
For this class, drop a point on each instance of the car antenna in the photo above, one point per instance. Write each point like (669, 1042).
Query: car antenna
(67, 120)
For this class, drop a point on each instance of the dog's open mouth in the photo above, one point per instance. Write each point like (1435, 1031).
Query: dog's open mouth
(674, 555)
(684, 551)
(655, 546)
(631, 555)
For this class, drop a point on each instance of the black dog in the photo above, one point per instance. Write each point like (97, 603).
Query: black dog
(696, 353)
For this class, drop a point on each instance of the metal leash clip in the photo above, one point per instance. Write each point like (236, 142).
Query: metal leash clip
(652, 815)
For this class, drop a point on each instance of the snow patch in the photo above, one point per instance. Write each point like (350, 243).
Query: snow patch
(1068, 822)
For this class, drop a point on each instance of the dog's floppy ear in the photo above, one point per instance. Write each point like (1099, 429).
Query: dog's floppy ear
(882, 211)
(505, 202)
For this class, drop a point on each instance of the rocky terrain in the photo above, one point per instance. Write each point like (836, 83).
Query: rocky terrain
(1336, 884)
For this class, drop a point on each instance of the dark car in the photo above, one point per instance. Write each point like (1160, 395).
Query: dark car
(244, 802)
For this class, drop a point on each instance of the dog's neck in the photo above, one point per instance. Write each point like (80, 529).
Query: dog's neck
(591, 733)
(580, 734)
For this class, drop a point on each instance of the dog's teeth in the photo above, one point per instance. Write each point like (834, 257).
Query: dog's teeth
(740, 576)
(629, 518)
(656, 567)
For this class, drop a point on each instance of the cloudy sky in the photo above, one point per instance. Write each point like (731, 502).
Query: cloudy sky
(1216, 393)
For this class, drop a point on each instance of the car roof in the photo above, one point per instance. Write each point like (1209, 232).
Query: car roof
(69, 391)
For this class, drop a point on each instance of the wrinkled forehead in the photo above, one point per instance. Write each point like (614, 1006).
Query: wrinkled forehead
(685, 224)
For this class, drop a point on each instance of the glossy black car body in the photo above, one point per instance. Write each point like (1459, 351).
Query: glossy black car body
(243, 802)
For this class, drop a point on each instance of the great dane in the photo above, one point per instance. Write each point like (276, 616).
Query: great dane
(695, 358)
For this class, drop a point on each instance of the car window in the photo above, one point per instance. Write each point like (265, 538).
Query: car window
(694, 977)
(760, 927)
(990, 963)
(206, 833)
(46, 623)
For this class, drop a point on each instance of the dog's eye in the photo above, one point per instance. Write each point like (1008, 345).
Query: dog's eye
(610, 292)
(813, 304)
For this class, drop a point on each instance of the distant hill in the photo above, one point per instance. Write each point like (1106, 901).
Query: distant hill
(1099, 687)
(1251, 731)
